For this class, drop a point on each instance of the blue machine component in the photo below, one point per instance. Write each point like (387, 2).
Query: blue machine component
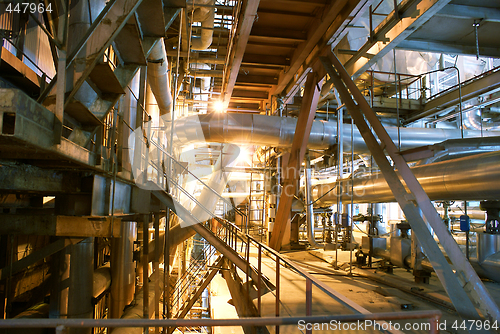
(464, 223)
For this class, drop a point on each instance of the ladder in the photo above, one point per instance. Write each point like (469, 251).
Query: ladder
(257, 204)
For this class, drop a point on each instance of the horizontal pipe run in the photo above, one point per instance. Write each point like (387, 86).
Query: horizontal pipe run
(240, 128)
(266, 321)
(475, 177)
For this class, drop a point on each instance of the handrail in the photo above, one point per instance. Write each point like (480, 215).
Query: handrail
(169, 178)
(60, 324)
(196, 177)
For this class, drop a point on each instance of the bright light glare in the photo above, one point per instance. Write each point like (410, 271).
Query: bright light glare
(245, 155)
(219, 106)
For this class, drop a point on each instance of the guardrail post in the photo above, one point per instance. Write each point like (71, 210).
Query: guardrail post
(434, 325)
(308, 300)
(277, 310)
(61, 329)
(248, 264)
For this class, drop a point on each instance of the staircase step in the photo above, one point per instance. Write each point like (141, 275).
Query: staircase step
(129, 45)
(151, 18)
(105, 79)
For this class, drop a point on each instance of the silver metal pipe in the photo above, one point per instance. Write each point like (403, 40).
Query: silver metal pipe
(122, 269)
(136, 311)
(309, 209)
(458, 148)
(475, 177)
(207, 17)
(158, 78)
(279, 131)
(472, 120)
(102, 280)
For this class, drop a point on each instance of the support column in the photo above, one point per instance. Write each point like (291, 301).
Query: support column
(292, 166)
(464, 288)
(71, 295)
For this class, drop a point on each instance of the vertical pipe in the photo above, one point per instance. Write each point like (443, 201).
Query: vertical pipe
(248, 264)
(277, 305)
(72, 292)
(397, 101)
(166, 259)
(350, 221)
(309, 207)
(259, 281)
(340, 166)
(145, 273)
(122, 269)
(156, 266)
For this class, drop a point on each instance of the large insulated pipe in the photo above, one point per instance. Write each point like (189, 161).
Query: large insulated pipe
(216, 184)
(473, 120)
(135, 311)
(279, 131)
(122, 269)
(458, 148)
(475, 177)
(206, 15)
(158, 78)
(102, 280)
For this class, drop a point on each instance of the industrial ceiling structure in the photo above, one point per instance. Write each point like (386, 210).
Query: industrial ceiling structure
(148, 145)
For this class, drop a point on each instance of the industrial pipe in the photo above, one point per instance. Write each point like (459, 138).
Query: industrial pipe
(122, 268)
(158, 78)
(309, 209)
(472, 120)
(458, 148)
(102, 280)
(279, 131)
(475, 177)
(135, 311)
(206, 15)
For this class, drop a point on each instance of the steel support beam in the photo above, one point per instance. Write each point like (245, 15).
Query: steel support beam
(249, 14)
(486, 14)
(61, 226)
(451, 48)
(347, 16)
(21, 178)
(298, 151)
(465, 289)
(33, 258)
(323, 27)
(394, 29)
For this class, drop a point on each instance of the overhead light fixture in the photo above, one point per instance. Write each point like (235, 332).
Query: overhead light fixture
(219, 106)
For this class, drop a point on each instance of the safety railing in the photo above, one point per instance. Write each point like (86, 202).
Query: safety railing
(243, 246)
(61, 325)
(168, 180)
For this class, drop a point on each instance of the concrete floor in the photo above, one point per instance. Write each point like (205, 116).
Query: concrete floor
(373, 296)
